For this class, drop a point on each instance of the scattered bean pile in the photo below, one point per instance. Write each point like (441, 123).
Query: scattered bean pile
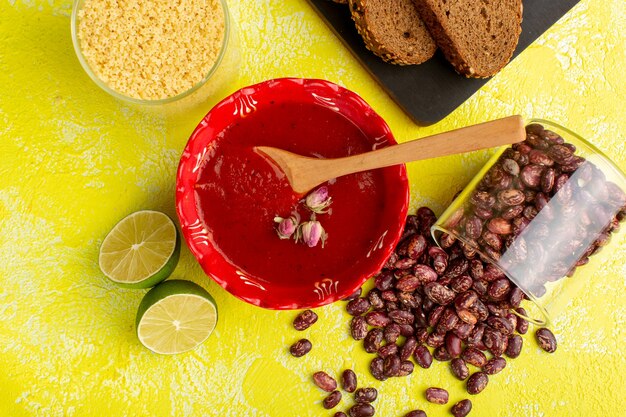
(450, 304)
(427, 298)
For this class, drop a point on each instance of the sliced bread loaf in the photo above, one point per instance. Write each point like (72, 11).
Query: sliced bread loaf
(393, 30)
(478, 37)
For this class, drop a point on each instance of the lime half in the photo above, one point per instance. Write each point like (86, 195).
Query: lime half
(175, 316)
(141, 250)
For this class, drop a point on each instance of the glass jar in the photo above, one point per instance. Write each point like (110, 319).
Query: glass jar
(537, 211)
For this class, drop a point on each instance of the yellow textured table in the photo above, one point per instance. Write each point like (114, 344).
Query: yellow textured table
(73, 162)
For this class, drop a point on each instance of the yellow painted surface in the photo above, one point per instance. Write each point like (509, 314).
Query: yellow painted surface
(73, 162)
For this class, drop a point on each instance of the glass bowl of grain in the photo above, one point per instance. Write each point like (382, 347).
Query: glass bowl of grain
(156, 54)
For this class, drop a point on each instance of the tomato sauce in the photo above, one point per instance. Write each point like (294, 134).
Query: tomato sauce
(239, 193)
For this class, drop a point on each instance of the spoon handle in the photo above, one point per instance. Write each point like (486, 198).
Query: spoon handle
(490, 134)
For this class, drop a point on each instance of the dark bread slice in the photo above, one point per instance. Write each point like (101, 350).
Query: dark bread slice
(478, 37)
(393, 30)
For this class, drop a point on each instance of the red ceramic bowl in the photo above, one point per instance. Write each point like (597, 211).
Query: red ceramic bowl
(227, 195)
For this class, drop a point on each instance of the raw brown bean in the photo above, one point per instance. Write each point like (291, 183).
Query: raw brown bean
(439, 293)
(461, 283)
(384, 280)
(340, 414)
(424, 274)
(515, 297)
(499, 226)
(389, 295)
(421, 334)
(476, 269)
(463, 329)
(377, 319)
(546, 339)
(447, 322)
(426, 218)
(499, 289)
(404, 263)
(512, 212)
(348, 380)
(391, 365)
(494, 365)
(361, 410)
(300, 348)
(477, 382)
(407, 349)
(441, 354)
(561, 154)
(510, 166)
(435, 315)
(498, 310)
(374, 298)
(483, 213)
(358, 306)
(390, 306)
(457, 266)
(478, 308)
(453, 344)
(391, 332)
(417, 246)
(531, 175)
(466, 316)
(420, 319)
(439, 258)
(408, 283)
(332, 400)
(415, 413)
(459, 368)
(474, 357)
(511, 197)
(358, 328)
(388, 350)
(406, 368)
(473, 227)
(373, 340)
(538, 157)
(492, 273)
(483, 199)
(406, 330)
(462, 408)
(354, 295)
(465, 300)
(325, 381)
(547, 180)
(376, 368)
(514, 347)
(494, 341)
(522, 324)
(437, 395)
(401, 316)
(409, 300)
(423, 357)
(512, 319)
(304, 320)
(365, 395)
(500, 324)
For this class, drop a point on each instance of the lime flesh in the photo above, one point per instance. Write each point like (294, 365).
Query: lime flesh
(175, 316)
(141, 250)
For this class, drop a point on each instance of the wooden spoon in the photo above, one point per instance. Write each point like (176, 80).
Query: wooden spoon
(304, 173)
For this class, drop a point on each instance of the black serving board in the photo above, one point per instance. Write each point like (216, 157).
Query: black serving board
(432, 90)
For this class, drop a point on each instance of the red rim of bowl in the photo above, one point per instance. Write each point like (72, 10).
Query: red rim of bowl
(239, 105)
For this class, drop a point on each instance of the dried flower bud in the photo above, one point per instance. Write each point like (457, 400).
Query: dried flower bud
(318, 201)
(311, 233)
(287, 227)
